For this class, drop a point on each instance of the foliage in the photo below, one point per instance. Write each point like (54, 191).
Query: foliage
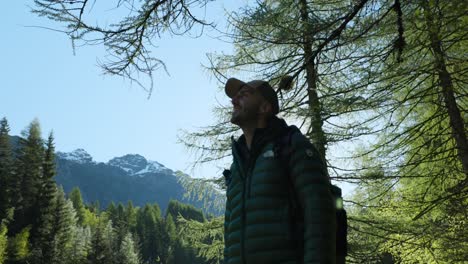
(128, 40)
(176, 208)
(66, 231)
(106, 183)
(18, 246)
(3, 242)
(128, 253)
(206, 237)
(389, 75)
(6, 168)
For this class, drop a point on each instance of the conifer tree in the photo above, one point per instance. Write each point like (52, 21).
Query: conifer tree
(6, 169)
(95, 207)
(80, 246)
(102, 244)
(120, 224)
(169, 238)
(42, 237)
(18, 247)
(77, 200)
(112, 212)
(28, 182)
(176, 208)
(205, 238)
(64, 223)
(128, 253)
(3, 242)
(131, 216)
(148, 223)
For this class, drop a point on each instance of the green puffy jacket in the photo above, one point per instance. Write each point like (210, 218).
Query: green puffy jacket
(258, 223)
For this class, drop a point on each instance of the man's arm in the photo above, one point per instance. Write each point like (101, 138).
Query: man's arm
(227, 214)
(314, 196)
(227, 217)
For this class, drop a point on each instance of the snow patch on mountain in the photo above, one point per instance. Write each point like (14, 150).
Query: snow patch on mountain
(132, 164)
(154, 167)
(135, 164)
(78, 156)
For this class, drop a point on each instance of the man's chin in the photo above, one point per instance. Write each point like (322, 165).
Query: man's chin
(235, 120)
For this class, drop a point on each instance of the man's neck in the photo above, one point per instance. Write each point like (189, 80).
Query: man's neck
(249, 131)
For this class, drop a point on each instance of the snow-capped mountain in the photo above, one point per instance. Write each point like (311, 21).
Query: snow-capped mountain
(78, 156)
(135, 164)
(130, 177)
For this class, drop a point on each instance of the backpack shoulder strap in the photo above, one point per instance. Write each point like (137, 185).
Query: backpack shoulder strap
(283, 150)
(283, 147)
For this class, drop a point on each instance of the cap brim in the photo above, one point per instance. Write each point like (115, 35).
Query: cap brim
(233, 86)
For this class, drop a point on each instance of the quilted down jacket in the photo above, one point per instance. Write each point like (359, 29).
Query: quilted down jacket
(259, 227)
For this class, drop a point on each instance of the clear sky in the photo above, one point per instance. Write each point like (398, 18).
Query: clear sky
(106, 116)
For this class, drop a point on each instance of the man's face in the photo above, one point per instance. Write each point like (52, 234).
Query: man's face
(246, 106)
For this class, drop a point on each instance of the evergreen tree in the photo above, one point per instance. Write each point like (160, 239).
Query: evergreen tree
(95, 207)
(3, 242)
(128, 253)
(63, 229)
(206, 239)
(176, 208)
(28, 182)
(6, 170)
(112, 212)
(148, 231)
(18, 247)
(169, 239)
(42, 237)
(77, 200)
(102, 244)
(131, 216)
(81, 245)
(120, 225)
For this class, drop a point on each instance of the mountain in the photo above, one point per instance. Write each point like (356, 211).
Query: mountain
(130, 177)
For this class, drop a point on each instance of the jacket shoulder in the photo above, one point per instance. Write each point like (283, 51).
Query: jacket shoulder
(297, 139)
(301, 144)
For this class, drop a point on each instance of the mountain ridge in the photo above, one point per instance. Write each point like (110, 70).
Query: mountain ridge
(129, 177)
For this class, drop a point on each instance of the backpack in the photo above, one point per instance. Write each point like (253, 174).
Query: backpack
(283, 150)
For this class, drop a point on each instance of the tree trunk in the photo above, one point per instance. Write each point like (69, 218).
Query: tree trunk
(445, 83)
(317, 135)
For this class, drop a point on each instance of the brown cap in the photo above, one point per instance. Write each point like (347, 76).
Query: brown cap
(234, 85)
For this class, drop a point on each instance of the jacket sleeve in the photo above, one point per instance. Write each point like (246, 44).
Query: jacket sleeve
(314, 195)
(227, 217)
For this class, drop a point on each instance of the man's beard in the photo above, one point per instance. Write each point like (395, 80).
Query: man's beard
(235, 118)
(244, 116)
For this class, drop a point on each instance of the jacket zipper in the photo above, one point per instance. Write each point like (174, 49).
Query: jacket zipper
(250, 168)
(242, 173)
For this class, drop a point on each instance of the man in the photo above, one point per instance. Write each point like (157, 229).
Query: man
(262, 223)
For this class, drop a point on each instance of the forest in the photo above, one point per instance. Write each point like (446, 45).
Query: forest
(378, 86)
(42, 224)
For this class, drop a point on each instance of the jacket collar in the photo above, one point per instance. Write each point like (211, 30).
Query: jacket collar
(275, 128)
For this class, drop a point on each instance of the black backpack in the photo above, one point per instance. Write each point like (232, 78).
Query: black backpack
(283, 150)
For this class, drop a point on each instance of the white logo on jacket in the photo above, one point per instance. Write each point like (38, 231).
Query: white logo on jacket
(268, 154)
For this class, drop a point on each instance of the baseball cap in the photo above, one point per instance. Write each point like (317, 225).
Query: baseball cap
(234, 85)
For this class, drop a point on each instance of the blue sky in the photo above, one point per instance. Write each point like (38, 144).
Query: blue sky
(107, 116)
